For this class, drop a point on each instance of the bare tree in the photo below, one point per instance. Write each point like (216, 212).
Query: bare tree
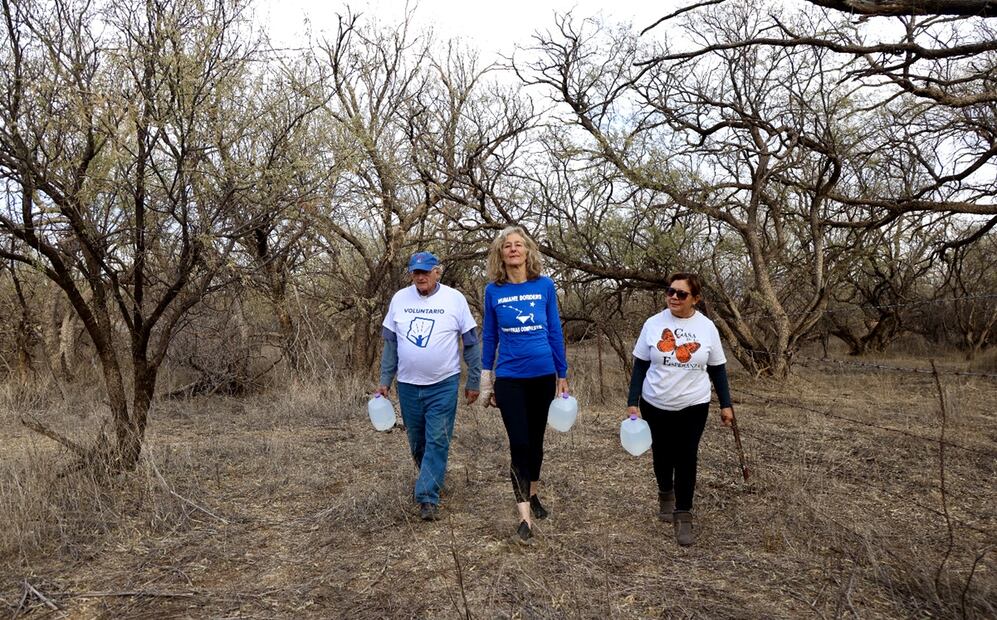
(22, 327)
(423, 140)
(885, 284)
(295, 169)
(468, 136)
(927, 80)
(123, 133)
(970, 281)
(752, 141)
(904, 8)
(371, 75)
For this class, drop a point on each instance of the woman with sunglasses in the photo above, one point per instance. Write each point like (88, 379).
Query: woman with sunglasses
(676, 358)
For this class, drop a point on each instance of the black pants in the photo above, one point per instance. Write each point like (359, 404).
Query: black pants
(524, 404)
(675, 439)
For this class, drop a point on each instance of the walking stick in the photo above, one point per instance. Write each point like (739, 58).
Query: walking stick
(740, 449)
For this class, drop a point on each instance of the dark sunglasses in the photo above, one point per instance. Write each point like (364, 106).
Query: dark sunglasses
(674, 292)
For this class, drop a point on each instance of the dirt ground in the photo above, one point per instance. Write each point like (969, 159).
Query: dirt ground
(288, 504)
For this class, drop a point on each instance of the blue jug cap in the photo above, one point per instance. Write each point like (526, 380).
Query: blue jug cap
(633, 416)
(565, 395)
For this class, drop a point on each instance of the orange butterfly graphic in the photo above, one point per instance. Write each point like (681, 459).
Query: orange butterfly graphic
(683, 352)
(667, 342)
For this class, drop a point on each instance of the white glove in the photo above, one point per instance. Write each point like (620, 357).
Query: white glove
(487, 386)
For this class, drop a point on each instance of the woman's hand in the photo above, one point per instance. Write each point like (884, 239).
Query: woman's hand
(562, 386)
(727, 416)
(631, 411)
(486, 394)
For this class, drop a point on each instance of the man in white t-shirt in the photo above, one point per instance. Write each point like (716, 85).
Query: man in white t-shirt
(426, 327)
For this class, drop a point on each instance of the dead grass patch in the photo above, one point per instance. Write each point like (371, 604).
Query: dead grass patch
(288, 504)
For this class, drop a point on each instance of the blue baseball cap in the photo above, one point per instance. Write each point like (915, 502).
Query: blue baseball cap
(422, 261)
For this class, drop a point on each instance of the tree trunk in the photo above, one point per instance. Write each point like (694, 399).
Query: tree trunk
(118, 401)
(288, 332)
(59, 336)
(67, 346)
(25, 337)
(25, 368)
(363, 350)
(145, 388)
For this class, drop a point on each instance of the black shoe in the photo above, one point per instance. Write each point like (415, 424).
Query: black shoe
(538, 509)
(524, 534)
(428, 512)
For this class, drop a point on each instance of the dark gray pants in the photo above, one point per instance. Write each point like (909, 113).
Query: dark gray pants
(675, 439)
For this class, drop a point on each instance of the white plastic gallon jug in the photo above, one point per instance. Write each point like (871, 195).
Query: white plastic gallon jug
(635, 435)
(562, 412)
(382, 414)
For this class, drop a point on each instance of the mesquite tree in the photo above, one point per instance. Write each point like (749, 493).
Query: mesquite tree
(421, 140)
(123, 134)
(754, 141)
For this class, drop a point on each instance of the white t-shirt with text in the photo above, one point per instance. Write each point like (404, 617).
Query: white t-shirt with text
(679, 351)
(428, 330)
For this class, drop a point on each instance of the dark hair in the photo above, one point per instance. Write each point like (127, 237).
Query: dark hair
(695, 286)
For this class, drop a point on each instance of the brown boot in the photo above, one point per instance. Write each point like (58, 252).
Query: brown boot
(683, 528)
(666, 505)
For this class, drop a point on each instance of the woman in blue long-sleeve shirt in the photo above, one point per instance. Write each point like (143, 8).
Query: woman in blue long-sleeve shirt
(521, 319)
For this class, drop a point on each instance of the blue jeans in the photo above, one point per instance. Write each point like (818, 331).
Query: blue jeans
(429, 412)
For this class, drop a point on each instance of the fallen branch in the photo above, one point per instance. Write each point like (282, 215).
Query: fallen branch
(458, 569)
(41, 429)
(167, 486)
(127, 593)
(969, 579)
(41, 597)
(234, 597)
(941, 481)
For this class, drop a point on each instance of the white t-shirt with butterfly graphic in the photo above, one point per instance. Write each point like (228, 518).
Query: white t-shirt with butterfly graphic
(679, 351)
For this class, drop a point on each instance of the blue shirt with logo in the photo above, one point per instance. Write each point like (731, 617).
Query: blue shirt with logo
(522, 321)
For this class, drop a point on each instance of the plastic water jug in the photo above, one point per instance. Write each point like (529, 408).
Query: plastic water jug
(635, 435)
(562, 412)
(382, 414)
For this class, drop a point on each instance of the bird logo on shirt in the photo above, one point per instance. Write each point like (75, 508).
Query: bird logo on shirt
(522, 318)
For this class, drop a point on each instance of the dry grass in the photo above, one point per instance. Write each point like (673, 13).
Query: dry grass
(288, 504)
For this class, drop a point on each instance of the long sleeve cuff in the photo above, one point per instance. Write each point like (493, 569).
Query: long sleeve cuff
(472, 359)
(389, 361)
(718, 375)
(637, 381)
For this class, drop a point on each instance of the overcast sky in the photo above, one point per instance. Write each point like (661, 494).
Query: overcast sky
(492, 26)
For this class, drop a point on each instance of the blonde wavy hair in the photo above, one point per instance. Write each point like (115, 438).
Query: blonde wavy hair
(496, 267)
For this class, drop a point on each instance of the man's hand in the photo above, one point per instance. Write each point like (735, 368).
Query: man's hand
(471, 396)
(382, 390)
